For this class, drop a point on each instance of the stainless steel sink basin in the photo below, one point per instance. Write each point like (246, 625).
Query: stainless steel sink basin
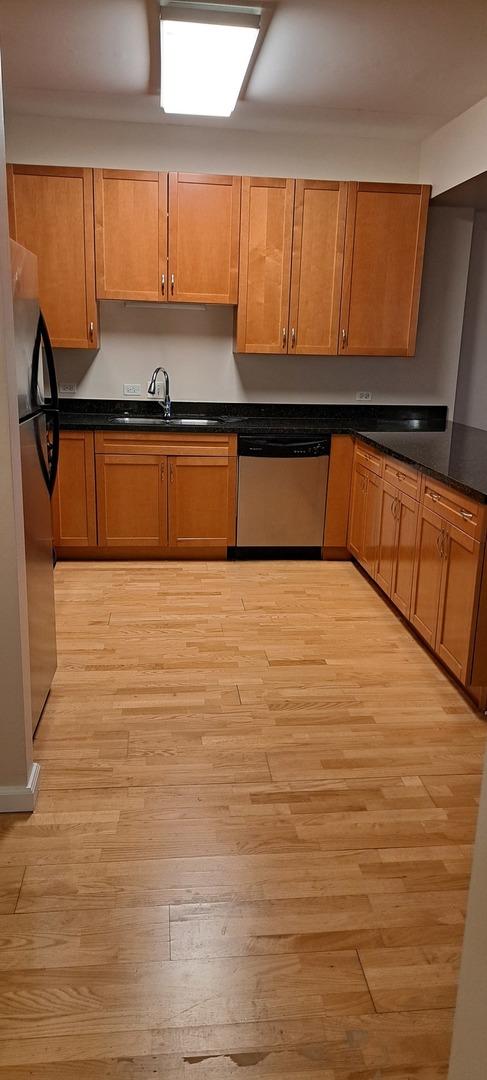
(173, 421)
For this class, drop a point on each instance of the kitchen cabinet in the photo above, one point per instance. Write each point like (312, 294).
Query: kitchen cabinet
(130, 235)
(398, 519)
(445, 592)
(384, 246)
(204, 228)
(364, 516)
(317, 262)
(338, 497)
(132, 500)
(164, 495)
(73, 500)
(265, 265)
(51, 214)
(201, 507)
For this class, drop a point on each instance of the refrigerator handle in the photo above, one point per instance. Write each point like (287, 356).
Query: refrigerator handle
(51, 411)
(43, 335)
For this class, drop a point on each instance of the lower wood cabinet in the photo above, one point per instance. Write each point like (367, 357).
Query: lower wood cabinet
(131, 491)
(446, 591)
(149, 494)
(73, 501)
(396, 546)
(200, 502)
(364, 517)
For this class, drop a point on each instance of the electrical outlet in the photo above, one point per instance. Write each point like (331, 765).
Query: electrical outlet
(67, 388)
(131, 389)
(363, 395)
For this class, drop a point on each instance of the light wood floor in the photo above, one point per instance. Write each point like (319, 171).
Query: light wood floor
(250, 856)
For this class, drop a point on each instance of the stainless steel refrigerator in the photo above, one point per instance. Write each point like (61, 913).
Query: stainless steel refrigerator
(39, 444)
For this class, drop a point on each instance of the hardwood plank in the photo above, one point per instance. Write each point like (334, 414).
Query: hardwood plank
(258, 792)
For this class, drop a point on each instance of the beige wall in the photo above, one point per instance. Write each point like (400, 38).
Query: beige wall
(457, 151)
(57, 141)
(15, 714)
(471, 401)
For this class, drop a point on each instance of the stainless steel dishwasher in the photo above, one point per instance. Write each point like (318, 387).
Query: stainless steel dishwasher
(282, 483)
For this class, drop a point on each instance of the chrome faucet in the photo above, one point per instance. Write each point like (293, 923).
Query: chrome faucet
(152, 387)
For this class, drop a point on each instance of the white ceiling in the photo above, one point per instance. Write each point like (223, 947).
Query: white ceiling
(397, 68)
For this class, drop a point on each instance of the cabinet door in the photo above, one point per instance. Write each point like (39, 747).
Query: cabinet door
(387, 540)
(51, 214)
(317, 263)
(131, 491)
(265, 265)
(204, 226)
(200, 502)
(384, 246)
(427, 575)
(458, 601)
(407, 510)
(73, 500)
(356, 522)
(371, 524)
(131, 235)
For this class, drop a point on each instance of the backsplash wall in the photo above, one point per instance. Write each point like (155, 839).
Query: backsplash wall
(196, 346)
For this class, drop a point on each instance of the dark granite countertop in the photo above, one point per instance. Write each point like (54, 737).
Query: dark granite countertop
(457, 455)
(417, 434)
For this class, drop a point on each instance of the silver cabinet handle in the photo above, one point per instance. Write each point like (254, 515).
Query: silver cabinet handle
(163, 283)
(434, 495)
(438, 544)
(162, 470)
(173, 282)
(284, 337)
(466, 514)
(344, 338)
(91, 330)
(293, 336)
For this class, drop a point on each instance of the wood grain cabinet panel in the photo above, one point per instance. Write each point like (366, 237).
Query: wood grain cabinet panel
(131, 235)
(462, 559)
(387, 538)
(407, 512)
(201, 501)
(427, 575)
(265, 265)
(356, 522)
(132, 500)
(384, 247)
(363, 531)
(73, 500)
(51, 214)
(317, 263)
(204, 230)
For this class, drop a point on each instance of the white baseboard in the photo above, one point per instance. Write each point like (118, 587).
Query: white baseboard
(19, 799)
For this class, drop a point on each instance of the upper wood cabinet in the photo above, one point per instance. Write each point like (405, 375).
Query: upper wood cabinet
(317, 263)
(204, 224)
(265, 265)
(73, 500)
(384, 246)
(130, 235)
(51, 214)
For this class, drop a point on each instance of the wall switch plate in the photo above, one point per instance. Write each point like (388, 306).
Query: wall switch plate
(131, 389)
(363, 395)
(67, 388)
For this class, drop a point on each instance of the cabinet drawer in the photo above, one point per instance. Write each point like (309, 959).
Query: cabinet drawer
(456, 508)
(405, 478)
(368, 457)
(164, 443)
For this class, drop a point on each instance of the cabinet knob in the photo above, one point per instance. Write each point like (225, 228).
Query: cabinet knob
(173, 282)
(163, 283)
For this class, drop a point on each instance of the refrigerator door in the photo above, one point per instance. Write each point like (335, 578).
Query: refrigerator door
(38, 551)
(30, 389)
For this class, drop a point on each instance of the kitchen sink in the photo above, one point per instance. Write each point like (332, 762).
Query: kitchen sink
(172, 421)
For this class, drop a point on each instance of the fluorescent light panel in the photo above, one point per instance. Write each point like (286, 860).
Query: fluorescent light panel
(203, 65)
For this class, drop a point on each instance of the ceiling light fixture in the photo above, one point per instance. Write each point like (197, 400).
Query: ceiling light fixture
(206, 50)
